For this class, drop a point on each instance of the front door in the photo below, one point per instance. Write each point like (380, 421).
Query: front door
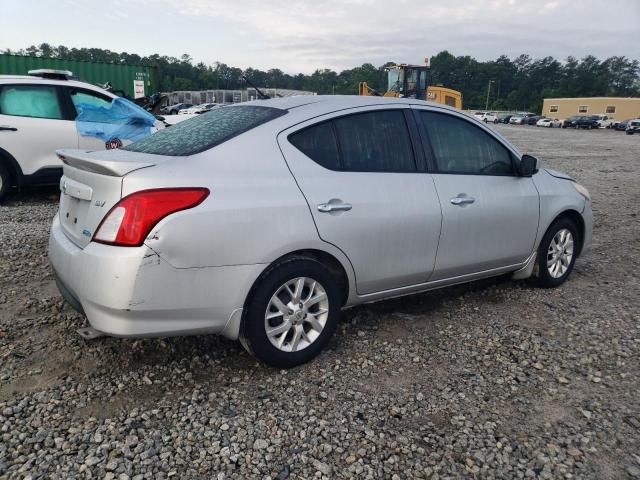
(490, 215)
(33, 126)
(359, 176)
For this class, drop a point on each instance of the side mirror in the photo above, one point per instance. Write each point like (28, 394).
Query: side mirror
(528, 165)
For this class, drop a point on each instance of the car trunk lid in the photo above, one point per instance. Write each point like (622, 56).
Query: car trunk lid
(91, 185)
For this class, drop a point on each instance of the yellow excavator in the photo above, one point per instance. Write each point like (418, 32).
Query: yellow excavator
(410, 81)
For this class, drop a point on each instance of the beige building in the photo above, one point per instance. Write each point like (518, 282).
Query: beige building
(618, 108)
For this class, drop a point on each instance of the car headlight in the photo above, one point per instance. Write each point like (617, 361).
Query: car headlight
(582, 190)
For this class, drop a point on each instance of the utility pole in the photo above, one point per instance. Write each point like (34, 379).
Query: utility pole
(486, 105)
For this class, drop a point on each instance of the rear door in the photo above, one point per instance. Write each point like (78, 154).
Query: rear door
(360, 174)
(33, 124)
(489, 214)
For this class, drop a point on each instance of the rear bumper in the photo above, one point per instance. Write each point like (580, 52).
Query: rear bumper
(133, 292)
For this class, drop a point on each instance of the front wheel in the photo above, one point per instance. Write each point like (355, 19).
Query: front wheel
(292, 313)
(557, 253)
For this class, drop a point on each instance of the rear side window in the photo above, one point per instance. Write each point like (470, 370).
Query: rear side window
(205, 131)
(362, 142)
(319, 144)
(463, 148)
(37, 101)
(375, 142)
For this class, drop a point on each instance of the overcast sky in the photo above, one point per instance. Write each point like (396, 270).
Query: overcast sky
(302, 35)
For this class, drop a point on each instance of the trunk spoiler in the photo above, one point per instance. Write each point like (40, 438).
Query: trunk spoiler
(115, 163)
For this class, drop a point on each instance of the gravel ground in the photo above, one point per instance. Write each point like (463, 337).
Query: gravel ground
(496, 379)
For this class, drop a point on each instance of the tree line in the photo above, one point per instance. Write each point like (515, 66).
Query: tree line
(512, 84)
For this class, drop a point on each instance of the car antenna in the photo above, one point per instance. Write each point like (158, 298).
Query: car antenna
(260, 93)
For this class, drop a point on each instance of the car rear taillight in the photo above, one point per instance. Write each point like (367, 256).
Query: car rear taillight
(129, 221)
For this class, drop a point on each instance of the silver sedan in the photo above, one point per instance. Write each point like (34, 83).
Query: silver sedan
(262, 221)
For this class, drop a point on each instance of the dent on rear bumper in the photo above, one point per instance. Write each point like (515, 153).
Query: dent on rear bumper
(132, 292)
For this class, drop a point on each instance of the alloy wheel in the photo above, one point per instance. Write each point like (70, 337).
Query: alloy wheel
(560, 253)
(296, 314)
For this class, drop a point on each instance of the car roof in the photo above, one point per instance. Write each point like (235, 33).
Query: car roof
(320, 104)
(35, 80)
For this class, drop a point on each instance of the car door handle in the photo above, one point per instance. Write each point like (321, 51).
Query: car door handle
(9, 129)
(462, 200)
(333, 206)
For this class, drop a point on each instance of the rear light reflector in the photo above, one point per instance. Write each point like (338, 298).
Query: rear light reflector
(129, 222)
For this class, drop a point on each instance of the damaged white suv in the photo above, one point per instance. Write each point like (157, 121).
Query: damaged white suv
(37, 117)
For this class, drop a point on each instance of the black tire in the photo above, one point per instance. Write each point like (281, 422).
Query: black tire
(253, 333)
(545, 279)
(5, 181)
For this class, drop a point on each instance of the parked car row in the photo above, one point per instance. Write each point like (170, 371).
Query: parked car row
(196, 109)
(528, 118)
(577, 121)
(187, 108)
(599, 121)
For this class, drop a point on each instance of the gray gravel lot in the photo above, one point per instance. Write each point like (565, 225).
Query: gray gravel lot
(496, 379)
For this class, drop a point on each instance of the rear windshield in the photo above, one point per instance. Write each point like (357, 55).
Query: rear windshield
(205, 131)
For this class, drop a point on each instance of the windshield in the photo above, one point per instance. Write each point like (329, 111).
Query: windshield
(205, 131)
(396, 79)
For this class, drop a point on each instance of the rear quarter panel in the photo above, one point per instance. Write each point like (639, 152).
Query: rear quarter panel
(254, 214)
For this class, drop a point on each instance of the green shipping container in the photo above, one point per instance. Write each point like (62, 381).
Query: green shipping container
(134, 80)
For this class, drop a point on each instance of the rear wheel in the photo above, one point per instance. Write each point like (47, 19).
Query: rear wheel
(557, 253)
(5, 181)
(292, 313)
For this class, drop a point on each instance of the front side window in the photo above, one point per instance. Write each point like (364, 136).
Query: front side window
(84, 97)
(363, 142)
(37, 101)
(205, 131)
(375, 142)
(463, 148)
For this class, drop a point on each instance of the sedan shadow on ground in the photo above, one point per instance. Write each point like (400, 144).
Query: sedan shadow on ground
(138, 353)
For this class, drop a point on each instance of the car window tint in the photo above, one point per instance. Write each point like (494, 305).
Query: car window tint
(460, 147)
(375, 142)
(319, 144)
(38, 101)
(83, 97)
(205, 131)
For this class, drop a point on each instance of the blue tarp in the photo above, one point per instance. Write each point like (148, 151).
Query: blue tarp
(122, 119)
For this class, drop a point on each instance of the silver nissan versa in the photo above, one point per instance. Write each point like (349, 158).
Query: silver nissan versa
(262, 221)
